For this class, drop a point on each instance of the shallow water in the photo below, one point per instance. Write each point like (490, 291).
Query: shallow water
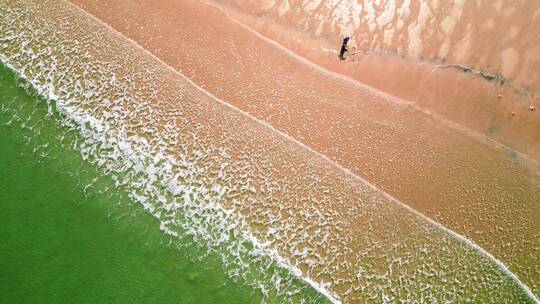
(69, 234)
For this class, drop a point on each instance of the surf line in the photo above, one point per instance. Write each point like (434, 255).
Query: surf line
(293, 269)
(270, 252)
(385, 95)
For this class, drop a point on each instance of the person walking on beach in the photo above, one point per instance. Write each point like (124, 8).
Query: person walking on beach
(343, 48)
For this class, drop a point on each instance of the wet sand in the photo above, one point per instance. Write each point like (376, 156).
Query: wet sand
(463, 89)
(489, 195)
(499, 37)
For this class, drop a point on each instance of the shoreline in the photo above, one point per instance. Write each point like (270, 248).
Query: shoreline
(262, 143)
(422, 163)
(64, 226)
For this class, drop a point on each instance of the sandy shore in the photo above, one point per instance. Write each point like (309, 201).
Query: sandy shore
(485, 79)
(490, 87)
(498, 37)
(488, 195)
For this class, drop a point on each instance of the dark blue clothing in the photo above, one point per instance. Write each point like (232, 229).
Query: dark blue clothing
(343, 48)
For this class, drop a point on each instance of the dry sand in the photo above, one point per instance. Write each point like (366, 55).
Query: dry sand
(499, 37)
(496, 36)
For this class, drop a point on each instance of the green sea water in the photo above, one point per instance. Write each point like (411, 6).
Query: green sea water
(60, 244)
(67, 235)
